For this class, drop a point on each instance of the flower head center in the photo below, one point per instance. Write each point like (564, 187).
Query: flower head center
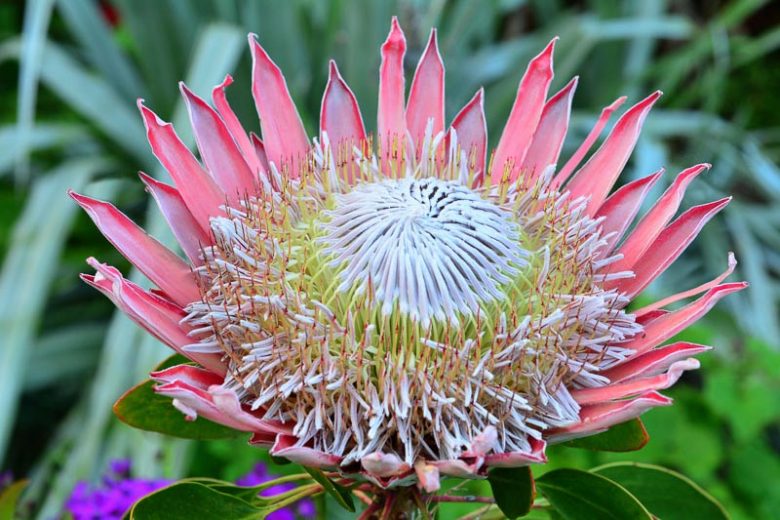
(431, 248)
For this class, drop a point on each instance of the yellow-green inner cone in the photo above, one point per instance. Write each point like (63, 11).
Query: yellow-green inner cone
(407, 315)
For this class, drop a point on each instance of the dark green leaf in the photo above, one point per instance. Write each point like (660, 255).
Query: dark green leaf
(665, 493)
(340, 493)
(579, 495)
(142, 408)
(513, 489)
(9, 499)
(228, 488)
(187, 500)
(628, 436)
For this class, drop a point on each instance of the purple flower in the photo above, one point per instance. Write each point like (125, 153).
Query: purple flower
(6, 479)
(111, 500)
(118, 492)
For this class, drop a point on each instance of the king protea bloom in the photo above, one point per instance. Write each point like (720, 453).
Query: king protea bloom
(399, 307)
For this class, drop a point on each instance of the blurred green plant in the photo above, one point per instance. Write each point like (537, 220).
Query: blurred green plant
(80, 69)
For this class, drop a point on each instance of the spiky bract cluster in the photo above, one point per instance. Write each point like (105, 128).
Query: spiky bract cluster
(407, 315)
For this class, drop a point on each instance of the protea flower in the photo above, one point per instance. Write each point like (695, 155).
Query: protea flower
(400, 307)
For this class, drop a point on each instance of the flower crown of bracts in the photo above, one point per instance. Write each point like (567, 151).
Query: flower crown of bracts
(400, 307)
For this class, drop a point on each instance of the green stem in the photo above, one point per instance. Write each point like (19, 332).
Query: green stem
(283, 480)
(295, 495)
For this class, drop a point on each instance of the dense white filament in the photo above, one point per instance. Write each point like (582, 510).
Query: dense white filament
(434, 248)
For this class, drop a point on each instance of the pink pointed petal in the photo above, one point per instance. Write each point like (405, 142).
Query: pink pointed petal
(596, 178)
(732, 263)
(621, 207)
(427, 476)
(285, 446)
(194, 376)
(228, 404)
(471, 131)
(169, 272)
(259, 148)
(518, 458)
(426, 96)
(548, 139)
(384, 465)
(215, 403)
(665, 249)
(455, 468)
(586, 145)
(654, 221)
(391, 123)
(283, 133)
(340, 118)
(586, 396)
(234, 125)
(654, 361)
(218, 150)
(597, 418)
(199, 191)
(666, 326)
(524, 117)
(191, 237)
(158, 316)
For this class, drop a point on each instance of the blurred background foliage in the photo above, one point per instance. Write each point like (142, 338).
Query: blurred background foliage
(70, 73)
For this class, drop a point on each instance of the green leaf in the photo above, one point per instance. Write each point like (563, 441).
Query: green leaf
(37, 16)
(187, 500)
(89, 26)
(9, 499)
(96, 100)
(340, 493)
(29, 269)
(142, 408)
(580, 495)
(228, 488)
(628, 436)
(513, 489)
(665, 493)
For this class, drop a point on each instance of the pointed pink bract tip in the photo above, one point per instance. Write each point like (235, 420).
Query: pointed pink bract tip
(652, 98)
(258, 52)
(645, 104)
(184, 89)
(567, 90)
(147, 179)
(433, 42)
(395, 38)
(333, 70)
(544, 60)
(615, 105)
(81, 200)
(150, 117)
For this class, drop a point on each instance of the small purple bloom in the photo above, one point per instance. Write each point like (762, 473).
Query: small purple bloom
(6, 479)
(114, 497)
(118, 492)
